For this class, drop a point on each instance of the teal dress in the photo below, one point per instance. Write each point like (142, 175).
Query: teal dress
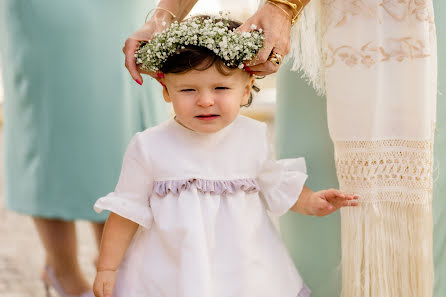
(70, 105)
(301, 130)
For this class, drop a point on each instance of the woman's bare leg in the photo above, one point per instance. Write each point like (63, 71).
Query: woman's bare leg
(97, 229)
(59, 240)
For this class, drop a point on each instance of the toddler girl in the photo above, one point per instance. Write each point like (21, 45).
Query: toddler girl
(190, 214)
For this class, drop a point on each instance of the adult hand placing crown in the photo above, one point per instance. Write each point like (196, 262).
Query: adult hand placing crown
(275, 17)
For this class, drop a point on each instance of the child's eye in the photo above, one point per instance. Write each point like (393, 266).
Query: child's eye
(222, 88)
(187, 90)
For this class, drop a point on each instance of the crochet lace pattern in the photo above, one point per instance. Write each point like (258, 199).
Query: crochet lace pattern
(392, 170)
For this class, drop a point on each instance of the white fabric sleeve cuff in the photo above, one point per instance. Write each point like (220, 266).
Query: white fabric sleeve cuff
(127, 205)
(281, 183)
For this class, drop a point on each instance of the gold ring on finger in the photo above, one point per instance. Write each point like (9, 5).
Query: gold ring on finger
(275, 58)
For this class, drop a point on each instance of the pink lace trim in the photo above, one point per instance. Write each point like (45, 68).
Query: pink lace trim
(217, 187)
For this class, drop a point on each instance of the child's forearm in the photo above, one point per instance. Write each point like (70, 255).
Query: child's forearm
(117, 235)
(304, 196)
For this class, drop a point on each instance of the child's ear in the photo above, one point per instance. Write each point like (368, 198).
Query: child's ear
(166, 94)
(248, 89)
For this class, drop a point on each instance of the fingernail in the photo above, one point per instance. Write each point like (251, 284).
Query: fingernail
(138, 82)
(160, 74)
(247, 69)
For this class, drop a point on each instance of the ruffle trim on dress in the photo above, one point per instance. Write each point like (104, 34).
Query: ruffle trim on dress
(217, 187)
(304, 292)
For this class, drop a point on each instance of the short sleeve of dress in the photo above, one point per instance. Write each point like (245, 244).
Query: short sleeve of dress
(131, 196)
(281, 182)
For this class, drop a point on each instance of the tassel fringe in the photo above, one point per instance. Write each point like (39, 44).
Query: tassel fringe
(306, 47)
(387, 250)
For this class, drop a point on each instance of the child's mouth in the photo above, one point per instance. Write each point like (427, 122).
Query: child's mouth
(207, 117)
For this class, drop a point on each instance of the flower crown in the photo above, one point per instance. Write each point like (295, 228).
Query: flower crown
(210, 32)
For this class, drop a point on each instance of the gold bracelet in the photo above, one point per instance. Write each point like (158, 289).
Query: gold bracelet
(297, 10)
(160, 8)
(284, 11)
(287, 3)
(165, 9)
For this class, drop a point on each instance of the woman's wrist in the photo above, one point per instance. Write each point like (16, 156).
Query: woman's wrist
(164, 14)
(291, 8)
(279, 14)
(158, 21)
(178, 8)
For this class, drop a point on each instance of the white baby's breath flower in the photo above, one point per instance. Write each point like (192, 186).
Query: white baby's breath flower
(253, 27)
(212, 33)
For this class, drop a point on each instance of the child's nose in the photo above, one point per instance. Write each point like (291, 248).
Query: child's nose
(205, 100)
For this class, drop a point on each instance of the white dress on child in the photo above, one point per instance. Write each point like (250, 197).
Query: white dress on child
(203, 202)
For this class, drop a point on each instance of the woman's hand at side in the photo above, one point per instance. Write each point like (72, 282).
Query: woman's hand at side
(276, 27)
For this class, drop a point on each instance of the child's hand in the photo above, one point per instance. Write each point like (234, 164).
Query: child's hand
(104, 283)
(324, 202)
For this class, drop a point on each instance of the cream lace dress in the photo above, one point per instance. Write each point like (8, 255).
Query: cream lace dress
(205, 204)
